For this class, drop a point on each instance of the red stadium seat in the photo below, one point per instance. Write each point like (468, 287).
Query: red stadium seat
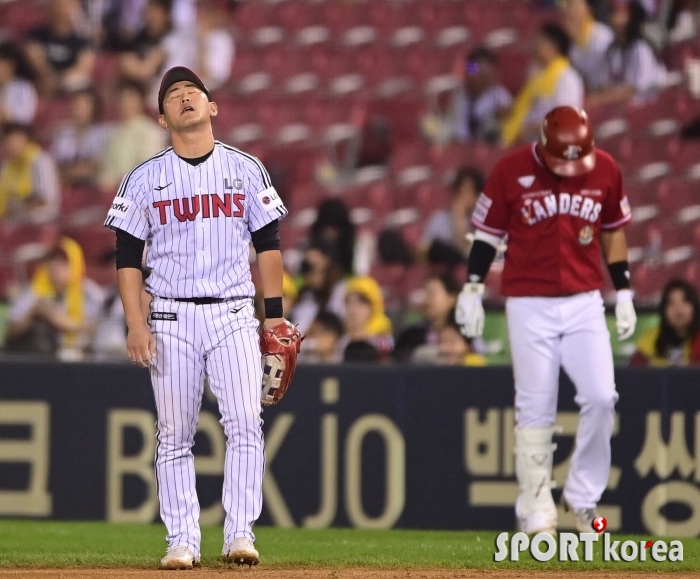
(674, 194)
(514, 64)
(341, 16)
(388, 16)
(295, 16)
(478, 155)
(251, 16)
(437, 15)
(687, 155)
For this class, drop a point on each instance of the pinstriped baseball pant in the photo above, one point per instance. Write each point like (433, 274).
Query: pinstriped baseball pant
(221, 343)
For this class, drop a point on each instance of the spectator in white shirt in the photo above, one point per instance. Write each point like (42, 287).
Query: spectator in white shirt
(631, 71)
(553, 82)
(79, 144)
(29, 185)
(18, 97)
(482, 101)
(591, 40)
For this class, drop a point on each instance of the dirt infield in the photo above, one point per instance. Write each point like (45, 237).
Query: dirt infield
(260, 573)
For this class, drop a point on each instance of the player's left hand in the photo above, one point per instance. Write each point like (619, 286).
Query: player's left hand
(469, 313)
(625, 316)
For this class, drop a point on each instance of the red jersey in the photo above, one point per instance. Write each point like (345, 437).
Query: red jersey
(553, 223)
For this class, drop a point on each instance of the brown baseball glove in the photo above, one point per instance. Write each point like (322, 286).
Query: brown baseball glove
(280, 347)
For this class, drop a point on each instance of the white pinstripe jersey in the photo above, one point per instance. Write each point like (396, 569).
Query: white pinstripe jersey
(197, 220)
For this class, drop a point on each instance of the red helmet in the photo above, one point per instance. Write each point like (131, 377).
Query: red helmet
(566, 142)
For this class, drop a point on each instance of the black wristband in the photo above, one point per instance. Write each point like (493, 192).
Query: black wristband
(273, 308)
(620, 274)
(480, 258)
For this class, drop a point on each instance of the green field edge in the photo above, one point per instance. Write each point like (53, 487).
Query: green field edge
(98, 545)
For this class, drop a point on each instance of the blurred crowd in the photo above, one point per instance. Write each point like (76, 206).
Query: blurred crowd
(588, 53)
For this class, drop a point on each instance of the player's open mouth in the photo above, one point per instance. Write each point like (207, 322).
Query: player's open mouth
(187, 109)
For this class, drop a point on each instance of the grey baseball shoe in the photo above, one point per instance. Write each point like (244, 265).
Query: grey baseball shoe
(241, 551)
(179, 558)
(584, 517)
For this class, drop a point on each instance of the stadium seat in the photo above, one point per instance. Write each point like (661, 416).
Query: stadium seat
(295, 16)
(342, 16)
(674, 194)
(251, 16)
(437, 15)
(688, 154)
(458, 155)
(514, 64)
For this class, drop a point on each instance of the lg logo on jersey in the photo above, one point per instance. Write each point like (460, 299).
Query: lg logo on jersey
(211, 206)
(575, 205)
(237, 183)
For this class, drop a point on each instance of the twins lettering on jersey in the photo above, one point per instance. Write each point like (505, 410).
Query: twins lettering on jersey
(535, 210)
(211, 206)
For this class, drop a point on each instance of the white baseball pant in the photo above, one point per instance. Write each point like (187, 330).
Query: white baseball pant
(569, 332)
(219, 340)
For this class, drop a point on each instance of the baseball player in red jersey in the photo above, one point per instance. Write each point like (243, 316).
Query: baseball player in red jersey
(560, 201)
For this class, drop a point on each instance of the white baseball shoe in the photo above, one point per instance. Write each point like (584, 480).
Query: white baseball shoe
(543, 520)
(584, 517)
(179, 558)
(241, 551)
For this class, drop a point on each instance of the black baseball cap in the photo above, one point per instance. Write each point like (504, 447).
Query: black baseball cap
(178, 74)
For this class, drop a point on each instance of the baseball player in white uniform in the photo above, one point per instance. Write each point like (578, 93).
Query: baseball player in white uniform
(562, 204)
(199, 204)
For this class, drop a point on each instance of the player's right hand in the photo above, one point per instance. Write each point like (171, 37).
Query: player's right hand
(469, 313)
(140, 345)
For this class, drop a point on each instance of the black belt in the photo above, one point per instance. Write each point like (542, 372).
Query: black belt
(200, 301)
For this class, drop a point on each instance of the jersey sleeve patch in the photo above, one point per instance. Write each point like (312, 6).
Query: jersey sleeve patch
(625, 207)
(120, 207)
(269, 199)
(482, 208)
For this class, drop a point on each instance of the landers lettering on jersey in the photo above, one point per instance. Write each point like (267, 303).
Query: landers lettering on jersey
(211, 205)
(535, 210)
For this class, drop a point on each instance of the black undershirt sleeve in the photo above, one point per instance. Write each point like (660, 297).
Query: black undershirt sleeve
(129, 250)
(480, 258)
(266, 238)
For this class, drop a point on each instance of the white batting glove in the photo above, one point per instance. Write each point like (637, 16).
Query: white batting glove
(469, 313)
(625, 316)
